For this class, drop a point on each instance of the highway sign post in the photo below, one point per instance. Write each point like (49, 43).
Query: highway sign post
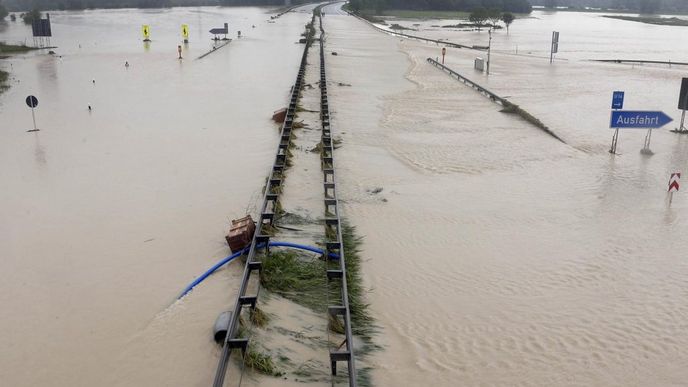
(185, 33)
(32, 102)
(555, 46)
(618, 99)
(637, 119)
(617, 103)
(683, 105)
(674, 185)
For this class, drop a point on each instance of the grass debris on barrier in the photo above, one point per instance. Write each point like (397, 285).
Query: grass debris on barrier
(261, 362)
(512, 108)
(296, 277)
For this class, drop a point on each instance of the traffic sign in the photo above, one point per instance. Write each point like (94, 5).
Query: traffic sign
(555, 42)
(631, 119)
(31, 101)
(674, 182)
(618, 100)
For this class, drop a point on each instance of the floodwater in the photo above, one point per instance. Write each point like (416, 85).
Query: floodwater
(582, 36)
(494, 254)
(497, 255)
(105, 216)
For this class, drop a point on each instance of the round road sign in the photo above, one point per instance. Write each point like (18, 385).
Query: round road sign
(31, 101)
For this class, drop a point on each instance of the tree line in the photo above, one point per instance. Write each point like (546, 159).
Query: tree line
(516, 6)
(641, 6)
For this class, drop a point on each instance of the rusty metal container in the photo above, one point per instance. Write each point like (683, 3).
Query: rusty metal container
(279, 115)
(241, 233)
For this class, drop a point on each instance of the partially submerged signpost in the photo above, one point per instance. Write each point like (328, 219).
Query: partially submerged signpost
(41, 31)
(683, 105)
(32, 102)
(617, 104)
(185, 33)
(673, 185)
(220, 31)
(555, 46)
(145, 30)
(634, 119)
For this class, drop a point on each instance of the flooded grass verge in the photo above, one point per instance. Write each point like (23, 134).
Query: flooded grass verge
(14, 48)
(4, 78)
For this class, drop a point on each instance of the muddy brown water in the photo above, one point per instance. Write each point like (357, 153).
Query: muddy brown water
(494, 254)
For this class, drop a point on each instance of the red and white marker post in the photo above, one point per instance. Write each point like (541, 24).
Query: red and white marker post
(674, 185)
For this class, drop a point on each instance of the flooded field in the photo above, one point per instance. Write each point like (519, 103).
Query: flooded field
(494, 254)
(582, 36)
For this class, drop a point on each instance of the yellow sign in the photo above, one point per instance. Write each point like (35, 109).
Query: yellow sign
(146, 31)
(185, 31)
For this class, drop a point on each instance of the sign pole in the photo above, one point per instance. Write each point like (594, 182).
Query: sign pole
(674, 185)
(683, 119)
(615, 139)
(32, 102)
(554, 47)
(617, 103)
(646, 147)
(33, 116)
(489, 48)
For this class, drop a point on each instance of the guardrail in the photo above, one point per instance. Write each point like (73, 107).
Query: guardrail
(509, 107)
(639, 61)
(333, 230)
(267, 217)
(468, 82)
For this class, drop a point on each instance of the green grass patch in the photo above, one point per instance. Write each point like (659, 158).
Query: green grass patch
(14, 48)
(661, 21)
(260, 361)
(362, 324)
(258, 317)
(296, 277)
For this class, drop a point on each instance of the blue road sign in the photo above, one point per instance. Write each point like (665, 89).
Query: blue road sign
(617, 100)
(638, 119)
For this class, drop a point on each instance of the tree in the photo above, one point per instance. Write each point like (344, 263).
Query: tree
(3, 12)
(380, 6)
(355, 5)
(494, 15)
(478, 17)
(649, 6)
(32, 15)
(508, 18)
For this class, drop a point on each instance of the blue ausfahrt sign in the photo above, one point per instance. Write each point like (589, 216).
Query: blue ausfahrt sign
(618, 100)
(638, 119)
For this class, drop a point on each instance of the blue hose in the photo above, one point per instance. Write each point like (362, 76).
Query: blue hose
(225, 260)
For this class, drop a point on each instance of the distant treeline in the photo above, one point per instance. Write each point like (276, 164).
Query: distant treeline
(25, 5)
(642, 6)
(517, 6)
